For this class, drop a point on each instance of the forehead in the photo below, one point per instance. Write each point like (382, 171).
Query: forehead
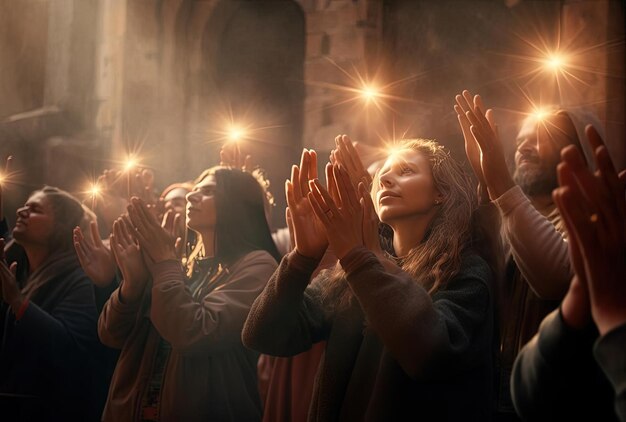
(556, 125)
(176, 193)
(38, 198)
(529, 127)
(406, 157)
(208, 181)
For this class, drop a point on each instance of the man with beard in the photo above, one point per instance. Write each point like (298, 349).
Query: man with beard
(537, 268)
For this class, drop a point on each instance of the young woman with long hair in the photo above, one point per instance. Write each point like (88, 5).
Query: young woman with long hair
(180, 329)
(409, 333)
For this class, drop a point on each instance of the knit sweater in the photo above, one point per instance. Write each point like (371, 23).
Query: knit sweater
(394, 352)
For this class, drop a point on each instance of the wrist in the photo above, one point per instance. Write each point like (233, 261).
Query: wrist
(575, 307)
(607, 321)
(129, 293)
(499, 188)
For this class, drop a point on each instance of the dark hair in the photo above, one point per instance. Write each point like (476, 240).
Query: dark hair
(68, 213)
(241, 226)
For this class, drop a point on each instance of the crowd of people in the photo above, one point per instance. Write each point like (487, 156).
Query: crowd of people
(403, 288)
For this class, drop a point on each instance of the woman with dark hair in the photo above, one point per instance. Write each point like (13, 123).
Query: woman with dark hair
(47, 315)
(408, 336)
(180, 334)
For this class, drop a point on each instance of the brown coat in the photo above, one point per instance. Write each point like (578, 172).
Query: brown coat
(209, 374)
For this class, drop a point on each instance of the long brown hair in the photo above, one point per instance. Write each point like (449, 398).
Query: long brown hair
(240, 211)
(437, 259)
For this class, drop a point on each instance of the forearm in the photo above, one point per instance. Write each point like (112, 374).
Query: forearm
(214, 321)
(418, 332)
(283, 321)
(551, 368)
(117, 320)
(539, 250)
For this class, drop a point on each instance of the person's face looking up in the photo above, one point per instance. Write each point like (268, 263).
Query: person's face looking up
(201, 210)
(539, 143)
(406, 187)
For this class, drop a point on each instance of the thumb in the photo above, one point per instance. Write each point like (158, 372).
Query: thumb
(13, 268)
(178, 247)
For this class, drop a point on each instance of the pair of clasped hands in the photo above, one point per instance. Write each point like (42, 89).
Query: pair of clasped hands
(340, 215)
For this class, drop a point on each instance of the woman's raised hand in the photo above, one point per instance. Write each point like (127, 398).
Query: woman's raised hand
(155, 241)
(341, 216)
(348, 158)
(308, 233)
(174, 224)
(95, 258)
(129, 259)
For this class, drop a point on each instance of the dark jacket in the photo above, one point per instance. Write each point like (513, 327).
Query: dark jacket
(395, 353)
(45, 356)
(556, 376)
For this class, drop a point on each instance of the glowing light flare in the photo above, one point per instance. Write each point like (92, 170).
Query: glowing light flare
(539, 114)
(2, 178)
(129, 164)
(393, 150)
(370, 93)
(236, 134)
(555, 62)
(94, 190)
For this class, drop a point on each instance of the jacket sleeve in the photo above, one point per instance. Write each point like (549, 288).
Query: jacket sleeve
(426, 336)
(554, 375)
(215, 322)
(610, 353)
(117, 320)
(285, 319)
(538, 249)
(70, 326)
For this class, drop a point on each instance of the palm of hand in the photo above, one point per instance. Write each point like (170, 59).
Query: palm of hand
(131, 264)
(100, 266)
(309, 233)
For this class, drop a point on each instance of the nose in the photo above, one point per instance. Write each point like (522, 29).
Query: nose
(191, 196)
(386, 180)
(528, 145)
(23, 212)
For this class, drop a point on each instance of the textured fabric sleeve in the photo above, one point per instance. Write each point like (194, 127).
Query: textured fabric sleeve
(425, 336)
(553, 374)
(70, 326)
(117, 320)
(538, 249)
(285, 319)
(214, 322)
(610, 353)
